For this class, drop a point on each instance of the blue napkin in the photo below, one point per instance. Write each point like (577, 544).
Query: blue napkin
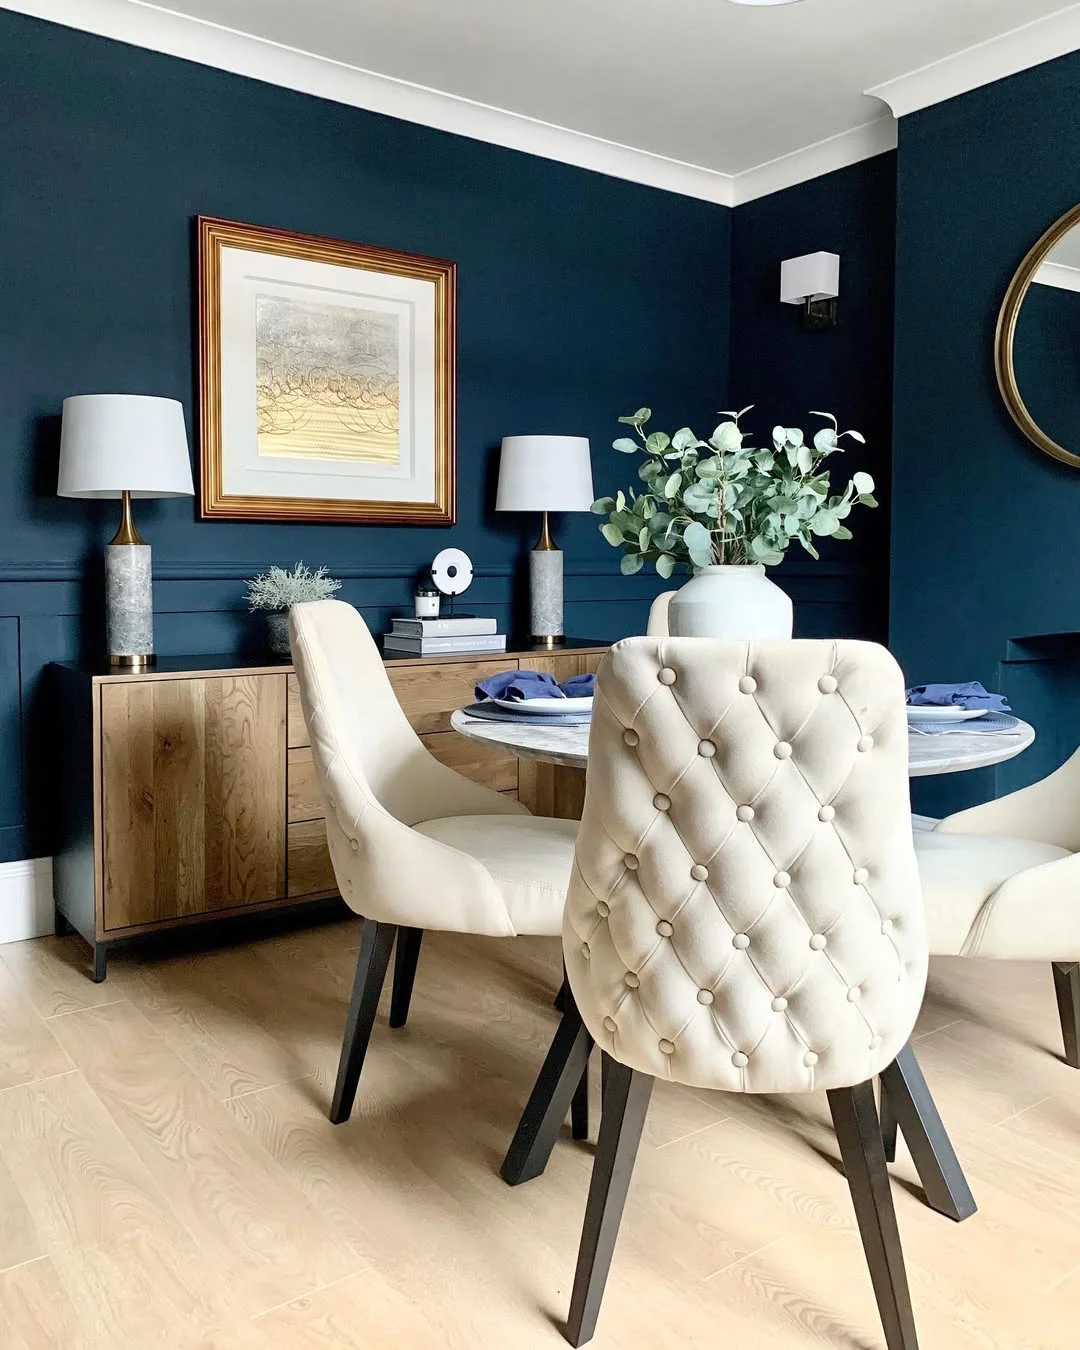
(968, 695)
(516, 685)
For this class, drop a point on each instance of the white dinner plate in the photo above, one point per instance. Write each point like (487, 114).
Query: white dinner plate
(545, 706)
(946, 714)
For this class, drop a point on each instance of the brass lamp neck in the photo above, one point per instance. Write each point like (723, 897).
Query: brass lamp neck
(545, 544)
(127, 533)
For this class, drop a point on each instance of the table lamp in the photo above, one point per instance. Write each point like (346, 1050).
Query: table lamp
(125, 445)
(545, 473)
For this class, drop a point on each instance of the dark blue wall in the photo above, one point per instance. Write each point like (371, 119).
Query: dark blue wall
(847, 370)
(580, 298)
(984, 524)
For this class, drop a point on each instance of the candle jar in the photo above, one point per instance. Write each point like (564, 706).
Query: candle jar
(426, 601)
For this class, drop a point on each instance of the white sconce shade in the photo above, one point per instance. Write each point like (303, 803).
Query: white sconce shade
(814, 276)
(116, 443)
(545, 473)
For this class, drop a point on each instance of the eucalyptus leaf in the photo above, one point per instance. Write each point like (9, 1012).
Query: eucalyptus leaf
(665, 565)
(620, 501)
(629, 564)
(842, 532)
(794, 436)
(862, 483)
(672, 485)
(657, 442)
(824, 524)
(684, 439)
(644, 538)
(612, 534)
(625, 446)
(825, 440)
(727, 437)
(603, 506)
(855, 436)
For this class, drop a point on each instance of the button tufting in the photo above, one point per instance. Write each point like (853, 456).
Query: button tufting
(744, 812)
(865, 743)
(603, 908)
(854, 994)
(706, 749)
(747, 684)
(827, 684)
(781, 881)
(782, 750)
(667, 1047)
(664, 928)
(705, 996)
(818, 942)
(875, 1043)
(740, 941)
(886, 926)
(631, 862)
(631, 980)
(585, 951)
(354, 844)
(860, 876)
(740, 1060)
(610, 1024)
(631, 737)
(666, 675)
(809, 1059)
(826, 813)
(699, 873)
(661, 802)
(779, 1004)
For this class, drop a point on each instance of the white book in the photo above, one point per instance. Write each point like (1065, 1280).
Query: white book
(398, 644)
(466, 626)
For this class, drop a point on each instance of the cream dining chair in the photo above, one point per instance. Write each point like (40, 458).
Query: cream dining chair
(744, 912)
(414, 845)
(1002, 880)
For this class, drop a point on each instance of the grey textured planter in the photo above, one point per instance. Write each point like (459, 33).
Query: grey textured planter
(277, 633)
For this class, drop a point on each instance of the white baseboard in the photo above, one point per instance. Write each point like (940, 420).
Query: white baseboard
(26, 899)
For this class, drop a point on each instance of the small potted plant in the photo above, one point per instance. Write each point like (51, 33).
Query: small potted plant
(726, 511)
(275, 591)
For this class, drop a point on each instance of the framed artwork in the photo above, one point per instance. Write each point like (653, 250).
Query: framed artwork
(326, 379)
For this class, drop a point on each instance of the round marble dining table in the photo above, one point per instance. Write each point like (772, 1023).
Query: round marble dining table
(948, 752)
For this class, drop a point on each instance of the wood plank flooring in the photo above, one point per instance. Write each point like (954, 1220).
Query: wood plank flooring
(168, 1176)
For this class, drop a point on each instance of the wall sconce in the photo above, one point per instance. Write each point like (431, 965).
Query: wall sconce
(813, 283)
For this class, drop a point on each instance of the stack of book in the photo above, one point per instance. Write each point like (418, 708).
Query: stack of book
(443, 637)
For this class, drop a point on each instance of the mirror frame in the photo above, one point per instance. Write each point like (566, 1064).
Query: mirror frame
(1005, 337)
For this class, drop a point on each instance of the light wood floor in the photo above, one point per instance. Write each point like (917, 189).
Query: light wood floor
(168, 1176)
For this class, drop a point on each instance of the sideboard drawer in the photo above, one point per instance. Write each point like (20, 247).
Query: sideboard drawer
(310, 868)
(429, 694)
(297, 727)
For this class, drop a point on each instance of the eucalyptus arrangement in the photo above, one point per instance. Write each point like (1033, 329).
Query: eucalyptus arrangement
(720, 501)
(274, 591)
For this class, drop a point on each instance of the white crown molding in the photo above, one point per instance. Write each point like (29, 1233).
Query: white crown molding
(837, 152)
(1058, 275)
(26, 899)
(163, 30)
(1046, 38)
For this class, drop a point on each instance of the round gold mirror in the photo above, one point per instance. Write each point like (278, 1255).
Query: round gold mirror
(1037, 345)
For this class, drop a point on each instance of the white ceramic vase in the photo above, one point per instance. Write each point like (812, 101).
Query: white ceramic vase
(736, 601)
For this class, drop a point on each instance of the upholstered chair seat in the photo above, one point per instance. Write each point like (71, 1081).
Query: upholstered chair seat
(744, 914)
(1002, 880)
(414, 845)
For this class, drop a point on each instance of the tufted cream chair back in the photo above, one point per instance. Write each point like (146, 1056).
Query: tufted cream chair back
(745, 911)
(378, 779)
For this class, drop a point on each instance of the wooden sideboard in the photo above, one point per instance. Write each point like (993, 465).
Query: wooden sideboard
(187, 792)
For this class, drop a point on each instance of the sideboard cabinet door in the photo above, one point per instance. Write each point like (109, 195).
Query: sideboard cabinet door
(193, 796)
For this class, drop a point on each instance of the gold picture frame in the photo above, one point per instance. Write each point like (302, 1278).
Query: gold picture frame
(374, 430)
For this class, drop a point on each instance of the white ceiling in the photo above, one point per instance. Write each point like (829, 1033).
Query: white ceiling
(725, 88)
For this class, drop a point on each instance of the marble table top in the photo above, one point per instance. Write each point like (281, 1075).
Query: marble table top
(951, 752)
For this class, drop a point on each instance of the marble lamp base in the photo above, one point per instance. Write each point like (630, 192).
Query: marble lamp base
(129, 605)
(546, 592)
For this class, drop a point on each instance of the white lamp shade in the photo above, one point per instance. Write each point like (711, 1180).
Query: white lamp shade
(814, 276)
(545, 473)
(115, 443)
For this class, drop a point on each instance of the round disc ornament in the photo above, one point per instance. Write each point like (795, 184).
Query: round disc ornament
(452, 571)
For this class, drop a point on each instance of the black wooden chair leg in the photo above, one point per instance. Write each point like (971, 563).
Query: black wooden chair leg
(1067, 988)
(101, 959)
(579, 1108)
(405, 959)
(566, 1063)
(935, 1160)
(888, 1125)
(367, 986)
(858, 1132)
(559, 1001)
(623, 1110)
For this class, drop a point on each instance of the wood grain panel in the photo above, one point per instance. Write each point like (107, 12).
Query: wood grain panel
(310, 869)
(298, 732)
(304, 798)
(430, 693)
(193, 788)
